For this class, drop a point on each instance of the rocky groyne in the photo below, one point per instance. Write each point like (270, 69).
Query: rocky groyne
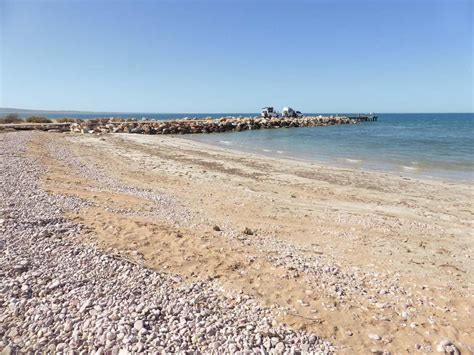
(190, 126)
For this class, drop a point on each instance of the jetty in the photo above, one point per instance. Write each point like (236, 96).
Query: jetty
(188, 126)
(363, 117)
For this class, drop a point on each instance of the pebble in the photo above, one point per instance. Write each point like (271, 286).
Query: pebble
(111, 335)
(280, 347)
(446, 346)
(139, 324)
(374, 337)
(54, 285)
(67, 326)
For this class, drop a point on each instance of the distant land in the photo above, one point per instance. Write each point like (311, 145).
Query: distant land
(4, 110)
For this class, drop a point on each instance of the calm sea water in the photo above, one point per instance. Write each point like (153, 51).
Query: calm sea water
(137, 115)
(423, 145)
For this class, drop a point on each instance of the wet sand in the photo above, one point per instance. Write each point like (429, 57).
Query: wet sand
(369, 261)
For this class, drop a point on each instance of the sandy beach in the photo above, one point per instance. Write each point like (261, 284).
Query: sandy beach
(364, 261)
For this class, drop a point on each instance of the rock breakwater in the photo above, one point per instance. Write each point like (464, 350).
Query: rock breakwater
(190, 126)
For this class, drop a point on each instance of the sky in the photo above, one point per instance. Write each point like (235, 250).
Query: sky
(237, 56)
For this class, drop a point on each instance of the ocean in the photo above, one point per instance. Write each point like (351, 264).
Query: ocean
(437, 146)
(433, 145)
(137, 115)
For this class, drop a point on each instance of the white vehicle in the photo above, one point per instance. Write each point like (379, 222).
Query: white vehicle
(269, 112)
(289, 112)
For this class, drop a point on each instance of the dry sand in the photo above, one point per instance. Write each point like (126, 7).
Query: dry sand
(369, 261)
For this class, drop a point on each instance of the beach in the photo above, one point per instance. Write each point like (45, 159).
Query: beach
(284, 255)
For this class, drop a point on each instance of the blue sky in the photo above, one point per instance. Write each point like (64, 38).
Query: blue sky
(237, 56)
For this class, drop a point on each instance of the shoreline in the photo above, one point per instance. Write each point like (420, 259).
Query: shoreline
(342, 166)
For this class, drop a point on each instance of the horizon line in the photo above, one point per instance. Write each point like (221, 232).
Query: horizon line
(4, 110)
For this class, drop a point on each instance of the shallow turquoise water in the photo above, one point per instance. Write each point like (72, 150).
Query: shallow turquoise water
(424, 145)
